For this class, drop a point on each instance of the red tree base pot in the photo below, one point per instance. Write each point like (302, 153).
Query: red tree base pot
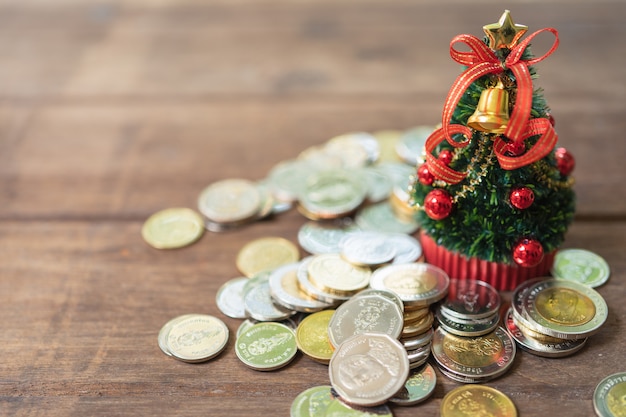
(503, 277)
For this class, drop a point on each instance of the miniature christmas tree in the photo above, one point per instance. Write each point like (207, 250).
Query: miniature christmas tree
(494, 195)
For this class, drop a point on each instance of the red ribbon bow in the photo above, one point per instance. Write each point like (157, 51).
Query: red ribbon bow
(481, 60)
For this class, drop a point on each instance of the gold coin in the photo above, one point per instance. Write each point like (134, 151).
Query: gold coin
(421, 326)
(564, 309)
(266, 254)
(530, 333)
(312, 336)
(329, 272)
(477, 400)
(413, 316)
(565, 306)
(172, 228)
(230, 201)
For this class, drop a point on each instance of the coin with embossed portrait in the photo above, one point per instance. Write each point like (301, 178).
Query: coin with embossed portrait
(609, 397)
(368, 369)
(477, 358)
(552, 349)
(417, 284)
(312, 336)
(564, 309)
(477, 400)
(363, 314)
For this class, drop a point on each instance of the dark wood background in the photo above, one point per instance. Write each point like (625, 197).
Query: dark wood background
(113, 110)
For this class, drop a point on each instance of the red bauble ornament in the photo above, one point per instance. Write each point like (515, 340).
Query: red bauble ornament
(445, 156)
(564, 161)
(515, 148)
(424, 176)
(438, 204)
(522, 197)
(528, 252)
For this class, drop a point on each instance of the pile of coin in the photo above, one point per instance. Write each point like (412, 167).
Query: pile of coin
(329, 299)
(554, 317)
(362, 303)
(469, 345)
(471, 308)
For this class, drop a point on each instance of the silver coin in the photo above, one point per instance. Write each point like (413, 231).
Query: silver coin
(379, 184)
(318, 239)
(312, 290)
(419, 354)
(283, 282)
(260, 306)
(417, 284)
(381, 217)
(398, 172)
(461, 327)
(410, 147)
(229, 201)
(408, 249)
(418, 341)
(332, 193)
(538, 348)
(368, 369)
(470, 299)
(229, 298)
(165, 331)
(356, 149)
(517, 300)
(387, 294)
(366, 248)
(365, 314)
(286, 179)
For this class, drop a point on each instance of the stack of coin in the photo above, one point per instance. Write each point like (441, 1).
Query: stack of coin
(418, 285)
(476, 359)
(554, 317)
(193, 338)
(471, 308)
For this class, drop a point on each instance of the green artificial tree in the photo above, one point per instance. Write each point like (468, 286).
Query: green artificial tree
(494, 194)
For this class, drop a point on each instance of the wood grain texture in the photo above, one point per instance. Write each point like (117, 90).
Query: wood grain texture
(113, 110)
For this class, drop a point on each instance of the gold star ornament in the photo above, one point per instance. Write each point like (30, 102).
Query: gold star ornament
(505, 33)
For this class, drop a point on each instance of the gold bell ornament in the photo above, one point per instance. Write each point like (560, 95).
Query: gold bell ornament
(492, 112)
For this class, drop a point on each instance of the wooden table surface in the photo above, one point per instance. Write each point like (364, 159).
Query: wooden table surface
(113, 110)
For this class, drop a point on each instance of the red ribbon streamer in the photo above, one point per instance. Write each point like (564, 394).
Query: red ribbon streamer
(481, 60)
